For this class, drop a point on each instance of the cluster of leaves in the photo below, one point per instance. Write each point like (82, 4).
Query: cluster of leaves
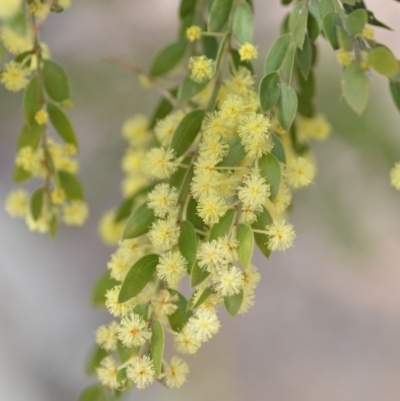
(46, 93)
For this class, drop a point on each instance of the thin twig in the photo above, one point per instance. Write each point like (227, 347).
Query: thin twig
(136, 70)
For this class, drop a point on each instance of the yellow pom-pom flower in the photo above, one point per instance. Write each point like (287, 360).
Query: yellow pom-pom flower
(107, 336)
(300, 172)
(175, 373)
(193, 33)
(141, 371)
(14, 77)
(9, 8)
(107, 373)
(171, 267)
(58, 196)
(368, 33)
(281, 235)
(395, 176)
(344, 57)
(133, 331)
(14, 42)
(248, 52)
(201, 68)
(41, 117)
(17, 203)
(75, 213)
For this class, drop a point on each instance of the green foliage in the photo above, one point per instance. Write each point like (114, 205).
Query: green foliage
(188, 243)
(243, 24)
(245, 248)
(62, 124)
(71, 185)
(233, 303)
(168, 58)
(139, 222)
(157, 345)
(55, 81)
(33, 100)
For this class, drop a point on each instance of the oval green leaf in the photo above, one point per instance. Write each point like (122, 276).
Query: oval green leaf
(189, 88)
(219, 15)
(157, 345)
(30, 136)
(355, 86)
(304, 57)
(243, 24)
(197, 275)
(395, 91)
(277, 53)
(167, 58)
(33, 100)
(287, 106)
(263, 219)
(233, 303)
(138, 276)
(139, 222)
(188, 243)
(269, 91)
(201, 299)
(180, 317)
(298, 23)
(223, 226)
(62, 124)
(245, 249)
(271, 171)
(55, 81)
(20, 175)
(236, 153)
(383, 61)
(187, 131)
(71, 185)
(36, 203)
(278, 150)
(330, 23)
(356, 21)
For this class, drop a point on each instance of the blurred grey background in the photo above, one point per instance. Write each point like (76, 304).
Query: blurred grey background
(326, 323)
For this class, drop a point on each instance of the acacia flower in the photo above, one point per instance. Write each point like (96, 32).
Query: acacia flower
(299, 172)
(193, 33)
(230, 281)
(281, 235)
(175, 373)
(14, 77)
(133, 331)
(201, 68)
(162, 199)
(107, 336)
(107, 373)
(164, 234)
(248, 52)
(159, 163)
(171, 267)
(17, 203)
(141, 371)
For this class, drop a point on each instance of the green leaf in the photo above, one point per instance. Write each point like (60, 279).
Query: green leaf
(33, 100)
(395, 91)
(351, 2)
(312, 27)
(164, 107)
(104, 283)
(53, 226)
(201, 299)
(193, 217)
(223, 226)
(383, 61)
(233, 303)
(95, 357)
(326, 7)
(287, 107)
(121, 375)
(20, 175)
(138, 276)
(271, 171)
(245, 249)
(243, 24)
(62, 124)
(263, 219)
(36, 203)
(55, 81)
(355, 86)
(197, 275)
(330, 24)
(356, 21)
(142, 310)
(269, 91)
(180, 317)
(188, 243)
(96, 392)
(344, 40)
(187, 131)
(306, 105)
(288, 63)
(177, 179)
(30, 136)
(157, 345)
(219, 15)
(304, 57)
(167, 58)
(139, 222)
(210, 46)
(278, 151)
(71, 185)
(187, 7)
(125, 353)
(298, 23)
(189, 89)
(236, 153)
(277, 53)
